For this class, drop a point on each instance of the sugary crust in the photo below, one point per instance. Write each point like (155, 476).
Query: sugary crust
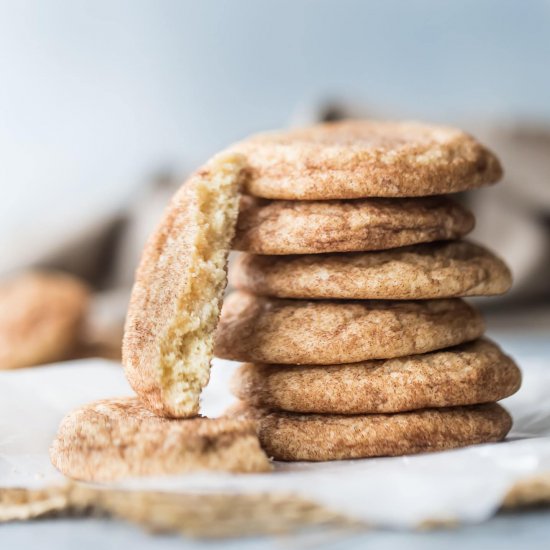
(41, 314)
(436, 270)
(165, 274)
(119, 438)
(357, 159)
(468, 374)
(301, 227)
(272, 330)
(295, 437)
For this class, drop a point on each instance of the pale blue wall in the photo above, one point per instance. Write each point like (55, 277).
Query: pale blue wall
(95, 94)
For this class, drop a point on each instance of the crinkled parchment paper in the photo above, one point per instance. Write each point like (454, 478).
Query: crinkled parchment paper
(466, 485)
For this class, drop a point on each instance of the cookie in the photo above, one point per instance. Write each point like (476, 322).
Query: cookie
(41, 315)
(469, 374)
(301, 227)
(176, 298)
(356, 159)
(119, 438)
(435, 270)
(316, 437)
(272, 330)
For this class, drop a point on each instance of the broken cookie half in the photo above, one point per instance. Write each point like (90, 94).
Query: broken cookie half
(176, 298)
(167, 349)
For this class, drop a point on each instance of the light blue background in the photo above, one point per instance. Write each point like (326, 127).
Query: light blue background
(97, 95)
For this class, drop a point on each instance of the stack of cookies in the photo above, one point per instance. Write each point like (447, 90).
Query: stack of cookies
(348, 312)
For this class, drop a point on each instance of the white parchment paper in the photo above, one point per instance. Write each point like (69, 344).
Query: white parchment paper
(465, 485)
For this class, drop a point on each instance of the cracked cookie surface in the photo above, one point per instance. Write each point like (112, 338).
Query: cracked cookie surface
(361, 158)
(272, 330)
(315, 227)
(365, 158)
(435, 270)
(319, 437)
(468, 374)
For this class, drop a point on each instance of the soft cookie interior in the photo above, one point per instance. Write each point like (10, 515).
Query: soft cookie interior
(186, 349)
(177, 295)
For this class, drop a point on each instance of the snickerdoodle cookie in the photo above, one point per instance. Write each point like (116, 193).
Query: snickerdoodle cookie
(354, 159)
(272, 330)
(468, 374)
(435, 270)
(302, 227)
(118, 438)
(41, 314)
(318, 437)
(175, 302)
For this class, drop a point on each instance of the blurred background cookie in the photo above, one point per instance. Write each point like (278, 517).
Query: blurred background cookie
(41, 317)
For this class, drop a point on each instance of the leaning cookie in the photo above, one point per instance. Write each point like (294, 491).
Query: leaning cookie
(315, 227)
(468, 374)
(435, 270)
(119, 438)
(355, 159)
(176, 298)
(271, 330)
(316, 437)
(41, 316)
